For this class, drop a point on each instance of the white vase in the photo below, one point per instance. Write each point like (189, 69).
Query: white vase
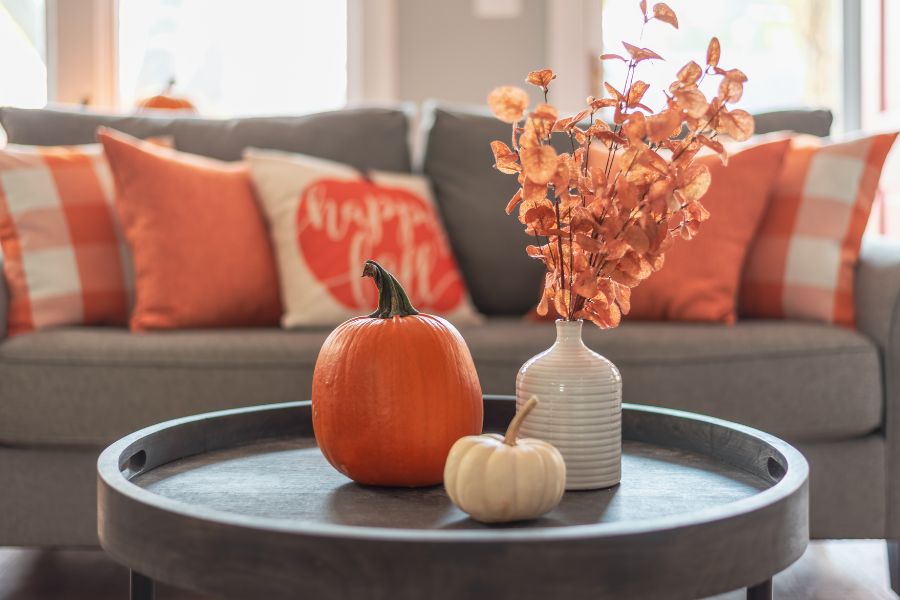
(579, 410)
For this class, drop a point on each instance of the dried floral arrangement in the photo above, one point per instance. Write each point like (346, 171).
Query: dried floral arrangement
(601, 230)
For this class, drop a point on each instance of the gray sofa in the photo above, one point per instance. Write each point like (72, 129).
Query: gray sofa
(65, 393)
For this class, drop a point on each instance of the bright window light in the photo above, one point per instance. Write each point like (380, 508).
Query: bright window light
(235, 58)
(23, 69)
(789, 49)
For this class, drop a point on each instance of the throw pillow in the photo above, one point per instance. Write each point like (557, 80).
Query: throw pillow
(65, 261)
(201, 251)
(801, 263)
(327, 219)
(700, 279)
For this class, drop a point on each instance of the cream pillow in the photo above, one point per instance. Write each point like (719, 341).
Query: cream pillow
(327, 219)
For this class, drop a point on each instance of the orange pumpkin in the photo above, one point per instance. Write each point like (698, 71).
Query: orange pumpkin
(166, 101)
(393, 391)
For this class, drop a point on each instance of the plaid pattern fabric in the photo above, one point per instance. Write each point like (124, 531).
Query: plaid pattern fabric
(65, 260)
(802, 260)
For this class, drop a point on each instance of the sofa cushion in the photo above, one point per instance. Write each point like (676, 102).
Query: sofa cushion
(367, 138)
(471, 196)
(811, 122)
(89, 386)
(801, 381)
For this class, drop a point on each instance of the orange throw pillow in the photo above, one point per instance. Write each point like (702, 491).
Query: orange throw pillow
(700, 279)
(199, 242)
(801, 263)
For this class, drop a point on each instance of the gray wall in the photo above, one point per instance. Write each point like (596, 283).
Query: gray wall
(447, 53)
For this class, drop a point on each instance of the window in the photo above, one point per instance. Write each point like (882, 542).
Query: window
(235, 58)
(880, 82)
(789, 49)
(23, 66)
(890, 57)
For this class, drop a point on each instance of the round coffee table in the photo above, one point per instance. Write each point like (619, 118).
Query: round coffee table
(242, 504)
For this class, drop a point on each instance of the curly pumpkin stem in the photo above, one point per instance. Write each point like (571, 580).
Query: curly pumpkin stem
(512, 432)
(392, 298)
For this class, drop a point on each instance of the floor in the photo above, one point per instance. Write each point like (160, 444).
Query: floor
(832, 570)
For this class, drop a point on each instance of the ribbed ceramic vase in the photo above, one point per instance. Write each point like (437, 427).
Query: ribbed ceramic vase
(580, 409)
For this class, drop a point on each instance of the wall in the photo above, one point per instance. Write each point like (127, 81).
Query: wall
(447, 52)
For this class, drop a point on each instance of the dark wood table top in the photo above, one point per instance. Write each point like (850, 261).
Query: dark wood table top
(242, 503)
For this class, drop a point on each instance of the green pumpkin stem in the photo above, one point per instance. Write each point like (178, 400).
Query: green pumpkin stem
(512, 432)
(392, 298)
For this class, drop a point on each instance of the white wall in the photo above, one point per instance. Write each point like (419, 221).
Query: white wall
(447, 52)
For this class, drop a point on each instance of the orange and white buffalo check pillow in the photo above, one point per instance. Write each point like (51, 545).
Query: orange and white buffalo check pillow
(65, 260)
(801, 263)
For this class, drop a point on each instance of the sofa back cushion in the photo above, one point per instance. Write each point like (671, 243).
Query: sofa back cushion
(471, 196)
(366, 138)
(810, 122)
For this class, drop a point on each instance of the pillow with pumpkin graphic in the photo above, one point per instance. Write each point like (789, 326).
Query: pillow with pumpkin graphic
(327, 219)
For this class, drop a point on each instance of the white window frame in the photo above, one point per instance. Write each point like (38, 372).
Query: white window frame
(874, 115)
(372, 53)
(82, 50)
(852, 47)
(573, 51)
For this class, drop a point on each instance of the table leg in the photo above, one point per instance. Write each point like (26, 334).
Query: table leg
(141, 587)
(760, 591)
(893, 548)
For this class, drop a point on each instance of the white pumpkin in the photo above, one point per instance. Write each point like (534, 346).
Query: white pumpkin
(499, 479)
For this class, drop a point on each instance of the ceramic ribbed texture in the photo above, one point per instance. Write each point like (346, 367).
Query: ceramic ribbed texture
(580, 408)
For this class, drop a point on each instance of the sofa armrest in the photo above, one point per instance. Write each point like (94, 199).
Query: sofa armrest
(877, 292)
(878, 316)
(4, 300)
